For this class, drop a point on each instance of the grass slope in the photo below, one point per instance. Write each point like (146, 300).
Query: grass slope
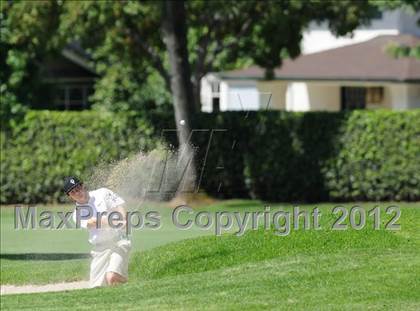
(307, 270)
(346, 281)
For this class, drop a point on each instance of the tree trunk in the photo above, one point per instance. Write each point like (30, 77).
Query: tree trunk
(175, 39)
(196, 93)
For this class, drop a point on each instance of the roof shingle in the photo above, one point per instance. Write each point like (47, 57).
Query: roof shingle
(366, 61)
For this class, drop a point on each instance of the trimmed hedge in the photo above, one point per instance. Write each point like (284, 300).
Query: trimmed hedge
(271, 155)
(377, 157)
(49, 145)
(318, 156)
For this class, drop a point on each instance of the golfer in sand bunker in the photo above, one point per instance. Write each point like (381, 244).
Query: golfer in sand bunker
(102, 213)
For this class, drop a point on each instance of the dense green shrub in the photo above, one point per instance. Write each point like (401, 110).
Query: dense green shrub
(49, 145)
(276, 156)
(297, 147)
(316, 156)
(221, 150)
(272, 155)
(377, 157)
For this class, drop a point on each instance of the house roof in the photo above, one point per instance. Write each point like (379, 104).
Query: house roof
(366, 61)
(76, 54)
(72, 65)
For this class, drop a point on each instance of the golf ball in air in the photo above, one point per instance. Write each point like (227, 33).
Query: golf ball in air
(182, 122)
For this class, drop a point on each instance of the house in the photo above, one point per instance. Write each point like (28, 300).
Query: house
(67, 80)
(338, 76)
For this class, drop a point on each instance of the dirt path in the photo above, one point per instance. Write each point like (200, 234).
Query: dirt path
(57, 287)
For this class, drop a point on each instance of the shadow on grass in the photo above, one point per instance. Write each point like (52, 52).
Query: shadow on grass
(235, 203)
(44, 256)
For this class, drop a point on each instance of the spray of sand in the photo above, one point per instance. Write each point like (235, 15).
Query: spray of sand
(157, 175)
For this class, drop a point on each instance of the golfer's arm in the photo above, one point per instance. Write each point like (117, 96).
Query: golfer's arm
(91, 223)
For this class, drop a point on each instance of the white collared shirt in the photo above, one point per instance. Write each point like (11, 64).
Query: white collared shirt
(100, 200)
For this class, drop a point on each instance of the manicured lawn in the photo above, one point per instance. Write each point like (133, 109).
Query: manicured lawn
(44, 256)
(350, 280)
(313, 269)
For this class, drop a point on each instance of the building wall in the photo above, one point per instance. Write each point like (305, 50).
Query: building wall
(312, 96)
(272, 94)
(307, 96)
(405, 96)
(413, 95)
(326, 96)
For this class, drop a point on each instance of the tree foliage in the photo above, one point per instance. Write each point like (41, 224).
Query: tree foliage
(399, 50)
(412, 6)
(27, 35)
(125, 40)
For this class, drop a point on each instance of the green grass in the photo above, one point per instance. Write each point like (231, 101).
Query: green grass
(45, 256)
(43, 271)
(306, 270)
